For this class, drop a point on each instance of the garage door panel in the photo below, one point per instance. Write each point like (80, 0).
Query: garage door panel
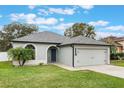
(90, 57)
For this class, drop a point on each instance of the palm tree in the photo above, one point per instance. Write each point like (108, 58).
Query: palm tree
(21, 55)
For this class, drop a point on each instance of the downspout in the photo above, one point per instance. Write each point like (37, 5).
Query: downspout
(72, 55)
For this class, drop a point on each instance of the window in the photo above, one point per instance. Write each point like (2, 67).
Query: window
(33, 48)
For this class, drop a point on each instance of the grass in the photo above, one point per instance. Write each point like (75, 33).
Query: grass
(51, 76)
(118, 62)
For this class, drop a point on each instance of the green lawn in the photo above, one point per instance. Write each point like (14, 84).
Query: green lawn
(53, 76)
(118, 62)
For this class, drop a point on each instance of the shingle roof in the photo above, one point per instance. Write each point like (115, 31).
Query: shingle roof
(114, 38)
(117, 44)
(82, 40)
(43, 37)
(50, 37)
(119, 39)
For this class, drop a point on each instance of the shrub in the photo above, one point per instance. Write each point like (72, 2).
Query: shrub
(41, 64)
(117, 56)
(21, 55)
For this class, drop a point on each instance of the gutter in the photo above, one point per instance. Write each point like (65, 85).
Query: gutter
(36, 42)
(86, 44)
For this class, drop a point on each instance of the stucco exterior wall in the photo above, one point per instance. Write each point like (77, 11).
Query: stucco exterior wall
(65, 55)
(28, 63)
(40, 50)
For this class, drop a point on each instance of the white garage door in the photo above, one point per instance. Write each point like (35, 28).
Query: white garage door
(87, 57)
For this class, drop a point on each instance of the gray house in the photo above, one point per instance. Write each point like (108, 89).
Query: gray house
(78, 51)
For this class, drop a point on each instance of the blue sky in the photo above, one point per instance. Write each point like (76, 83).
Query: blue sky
(108, 20)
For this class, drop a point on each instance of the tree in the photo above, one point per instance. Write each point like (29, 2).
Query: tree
(12, 31)
(21, 55)
(80, 29)
(90, 32)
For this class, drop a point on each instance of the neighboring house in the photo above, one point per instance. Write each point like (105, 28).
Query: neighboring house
(120, 41)
(78, 51)
(119, 47)
(116, 42)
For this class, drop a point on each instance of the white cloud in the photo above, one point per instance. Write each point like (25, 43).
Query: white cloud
(86, 7)
(62, 26)
(33, 19)
(61, 19)
(31, 7)
(105, 34)
(15, 17)
(1, 16)
(116, 28)
(29, 18)
(68, 11)
(43, 12)
(64, 11)
(99, 23)
(48, 21)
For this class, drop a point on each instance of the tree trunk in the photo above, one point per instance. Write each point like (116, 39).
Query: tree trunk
(23, 62)
(19, 63)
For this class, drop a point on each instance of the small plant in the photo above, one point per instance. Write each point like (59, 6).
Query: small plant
(21, 55)
(41, 64)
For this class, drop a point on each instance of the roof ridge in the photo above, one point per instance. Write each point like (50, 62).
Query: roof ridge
(50, 32)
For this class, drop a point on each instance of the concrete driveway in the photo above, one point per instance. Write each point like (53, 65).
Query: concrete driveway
(116, 71)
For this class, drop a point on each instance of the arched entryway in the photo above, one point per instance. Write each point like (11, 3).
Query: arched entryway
(30, 46)
(52, 54)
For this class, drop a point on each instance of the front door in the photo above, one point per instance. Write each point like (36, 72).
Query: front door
(53, 55)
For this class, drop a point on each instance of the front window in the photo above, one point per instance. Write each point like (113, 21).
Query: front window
(33, 48)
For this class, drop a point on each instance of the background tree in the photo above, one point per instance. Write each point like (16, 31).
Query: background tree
(80, 29)
(21, 55)
(12, 31)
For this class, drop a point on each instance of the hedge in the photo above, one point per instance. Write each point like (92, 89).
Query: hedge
(117, 56)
